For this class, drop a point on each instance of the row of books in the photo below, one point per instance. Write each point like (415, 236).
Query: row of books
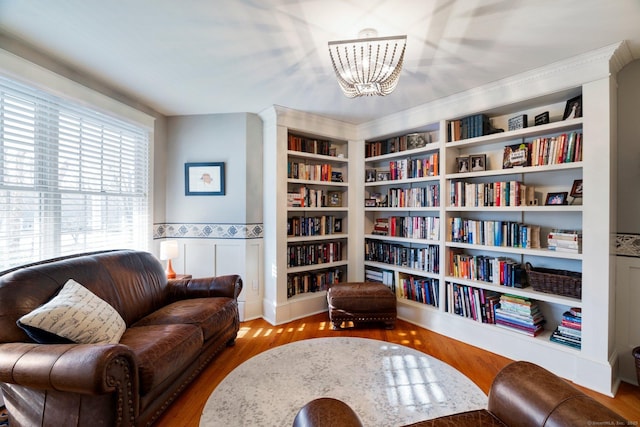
(313, 253)
(565, 241)
(564, 148)
(486, 194)
(309, 172)
(414, 168)
(308, 145)
(316, 281)
(314, 226)
(423, 290)
(415, 197)
(313, 198)
(470, 302)
(493, 233)
(498, 270)
(425, 258)
(469, 127)
(519, 314)
(381, 276)
(412, 227)
(569, 331)
(398, 143)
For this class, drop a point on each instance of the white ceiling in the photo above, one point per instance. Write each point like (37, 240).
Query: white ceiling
(183, 57)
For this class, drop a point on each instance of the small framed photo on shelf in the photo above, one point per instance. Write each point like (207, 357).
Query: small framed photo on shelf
(370, 175)
(576, 189)
(370, 203)
(337, 225)
(463, 164)
(204, 179)
(515, 155)
(334, 199)
(518, 122)
(478, 162)
(542, 118)
(573, 109)
(383, 176)
(554, 199)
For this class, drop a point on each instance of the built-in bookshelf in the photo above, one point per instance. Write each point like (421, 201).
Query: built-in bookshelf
(508, 187)
(317, 185)
(467, 195)
(507, 191)
(402, 214)
(307, 190)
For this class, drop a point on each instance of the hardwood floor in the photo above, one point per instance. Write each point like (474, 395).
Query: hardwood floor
(258, 335)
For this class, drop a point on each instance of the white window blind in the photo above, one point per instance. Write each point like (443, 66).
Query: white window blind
(71, 179)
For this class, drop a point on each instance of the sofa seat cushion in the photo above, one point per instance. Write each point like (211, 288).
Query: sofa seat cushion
(210, 314)
(162, 350)
(480, 417)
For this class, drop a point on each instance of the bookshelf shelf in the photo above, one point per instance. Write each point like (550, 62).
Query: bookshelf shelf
(319, 157)
(519, 251)
(401, 269)
(397, 182)
(527, 292)
(318, 183)
(548, 209)
(323, 266)
(402, 239)
(528, 132)
(317, 238)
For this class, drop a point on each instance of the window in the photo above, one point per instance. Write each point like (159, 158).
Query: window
(71, 179)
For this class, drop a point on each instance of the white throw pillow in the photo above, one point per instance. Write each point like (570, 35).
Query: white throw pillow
(76, 314)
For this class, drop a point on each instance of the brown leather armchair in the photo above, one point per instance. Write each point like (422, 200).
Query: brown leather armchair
(522, 395)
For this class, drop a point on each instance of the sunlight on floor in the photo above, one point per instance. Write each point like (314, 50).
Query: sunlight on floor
(411, 381)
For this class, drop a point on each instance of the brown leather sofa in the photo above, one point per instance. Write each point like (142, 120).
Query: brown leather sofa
(522, 395)
(173, 330)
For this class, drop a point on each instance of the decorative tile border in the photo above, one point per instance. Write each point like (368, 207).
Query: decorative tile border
(628, 245)
(208, 231)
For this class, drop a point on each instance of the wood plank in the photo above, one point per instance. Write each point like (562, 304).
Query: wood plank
(258, 335)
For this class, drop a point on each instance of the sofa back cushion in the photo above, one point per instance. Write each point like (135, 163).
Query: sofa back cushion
(133, 282)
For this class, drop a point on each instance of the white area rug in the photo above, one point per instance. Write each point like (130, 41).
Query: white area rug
(386, 384)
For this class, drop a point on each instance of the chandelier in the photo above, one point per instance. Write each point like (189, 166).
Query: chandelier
(368, 65)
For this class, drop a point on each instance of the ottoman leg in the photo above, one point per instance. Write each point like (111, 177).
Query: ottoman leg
(337, 324)
(389, 324)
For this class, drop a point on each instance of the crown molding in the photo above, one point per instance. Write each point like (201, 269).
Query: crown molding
(553, 78)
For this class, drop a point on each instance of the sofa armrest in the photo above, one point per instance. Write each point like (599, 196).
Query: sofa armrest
(525, 394)
(78, 368)
(228, 286)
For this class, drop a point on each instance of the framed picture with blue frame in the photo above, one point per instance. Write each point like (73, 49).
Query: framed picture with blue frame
(204, 179)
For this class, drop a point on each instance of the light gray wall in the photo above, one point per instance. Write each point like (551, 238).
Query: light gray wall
(629, 148)
(236, 140)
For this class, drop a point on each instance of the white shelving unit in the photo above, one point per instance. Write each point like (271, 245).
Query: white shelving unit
(592, 76)
(283, 301)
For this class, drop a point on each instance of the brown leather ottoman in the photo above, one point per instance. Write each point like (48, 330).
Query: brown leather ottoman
(361, 302)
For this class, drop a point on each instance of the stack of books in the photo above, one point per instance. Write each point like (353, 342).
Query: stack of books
(569, 332)
(381, 227)
(519, 314)
(565, 241)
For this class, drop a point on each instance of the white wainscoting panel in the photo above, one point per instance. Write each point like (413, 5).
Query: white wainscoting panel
(627, 315)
